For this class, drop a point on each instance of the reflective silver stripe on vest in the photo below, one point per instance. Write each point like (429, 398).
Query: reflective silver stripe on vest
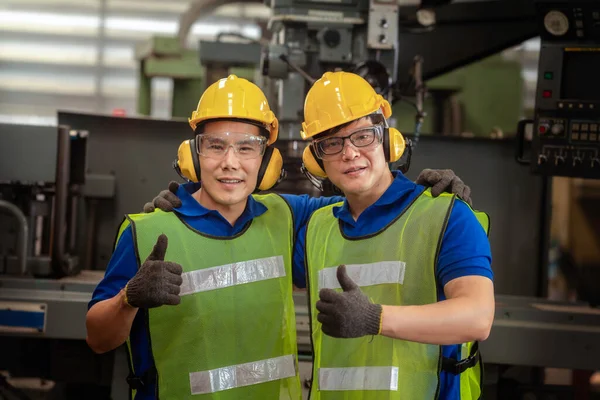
(359, 378)
(223, 276)
(234, 376)
(365, 274)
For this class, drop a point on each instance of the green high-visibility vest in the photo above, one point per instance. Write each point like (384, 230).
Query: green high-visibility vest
(233, 334)
(395, 266)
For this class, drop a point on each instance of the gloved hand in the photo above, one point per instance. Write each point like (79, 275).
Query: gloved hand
(158, 282)
(349, 314)
(166, 199)
(444, 180)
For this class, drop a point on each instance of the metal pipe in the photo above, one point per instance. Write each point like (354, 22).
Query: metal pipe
(73, 224)
(38, 236)
(24, 232)
(91, 220)
(200, 8)
(63, 157)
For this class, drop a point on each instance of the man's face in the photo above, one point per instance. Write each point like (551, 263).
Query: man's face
(356, 170)
(231, 177)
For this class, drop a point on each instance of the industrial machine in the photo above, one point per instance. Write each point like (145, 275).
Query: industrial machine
(356, 35)
(567, 123)
(41, 174)
(64, 207)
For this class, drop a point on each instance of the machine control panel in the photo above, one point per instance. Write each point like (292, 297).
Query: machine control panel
(584, 131)
(567, 109)
(568, 147)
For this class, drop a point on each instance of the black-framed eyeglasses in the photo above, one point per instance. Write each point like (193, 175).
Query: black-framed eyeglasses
(361, 137)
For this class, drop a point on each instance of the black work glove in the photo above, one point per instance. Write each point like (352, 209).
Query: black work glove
(158, 282)
(349, 314)
(444, 180)
(166, 200)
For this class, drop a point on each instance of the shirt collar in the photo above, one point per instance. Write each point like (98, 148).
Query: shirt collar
(191, 208)
(400, 188)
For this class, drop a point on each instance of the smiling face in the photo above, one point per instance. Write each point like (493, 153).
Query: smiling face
(357, 170)
(227, 180)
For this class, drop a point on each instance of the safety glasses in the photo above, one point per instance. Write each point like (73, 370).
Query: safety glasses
(216, 145)
(363, 137)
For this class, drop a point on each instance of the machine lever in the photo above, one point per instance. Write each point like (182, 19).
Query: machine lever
(520, 149)
(296, 68)
(419, 96)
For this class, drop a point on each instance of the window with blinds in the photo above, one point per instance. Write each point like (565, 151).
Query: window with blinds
(79, 54)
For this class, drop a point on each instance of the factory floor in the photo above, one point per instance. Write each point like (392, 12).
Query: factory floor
(36, 389)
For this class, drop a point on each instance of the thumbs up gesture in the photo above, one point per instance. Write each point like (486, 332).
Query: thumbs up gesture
(157, 282)
(349, 314)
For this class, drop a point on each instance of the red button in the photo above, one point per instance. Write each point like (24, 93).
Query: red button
(547, 94)
(542, 129)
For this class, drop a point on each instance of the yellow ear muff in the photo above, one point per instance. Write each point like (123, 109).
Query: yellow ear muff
(187, 160)
(312, 163)
(393, 142)
(396, 144)
(271, 168)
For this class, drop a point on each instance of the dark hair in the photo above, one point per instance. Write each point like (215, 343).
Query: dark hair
(375, 119)
(263, 130)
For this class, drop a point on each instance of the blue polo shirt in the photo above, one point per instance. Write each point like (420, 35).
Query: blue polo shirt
(465, 248)
(464, 251)
(123, 263)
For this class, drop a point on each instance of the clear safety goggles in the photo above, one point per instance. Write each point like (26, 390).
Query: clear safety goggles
(216, 145)
(362, 137)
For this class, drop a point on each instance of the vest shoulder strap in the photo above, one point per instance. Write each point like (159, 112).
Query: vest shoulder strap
(273, 202)
(482, 217)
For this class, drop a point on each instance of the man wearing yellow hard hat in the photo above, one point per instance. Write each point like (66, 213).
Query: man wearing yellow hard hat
(399, 282)
(203, 295)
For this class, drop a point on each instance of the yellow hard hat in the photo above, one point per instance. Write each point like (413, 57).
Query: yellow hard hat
(234, 97)
(337, 98)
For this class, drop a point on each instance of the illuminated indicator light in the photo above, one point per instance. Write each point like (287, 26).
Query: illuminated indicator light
(542, 129)
(547, 94)
(549, 75)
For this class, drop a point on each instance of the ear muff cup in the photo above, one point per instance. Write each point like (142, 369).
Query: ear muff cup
(393, 148)
(187, 160)
(270, 171)
(312, 163)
